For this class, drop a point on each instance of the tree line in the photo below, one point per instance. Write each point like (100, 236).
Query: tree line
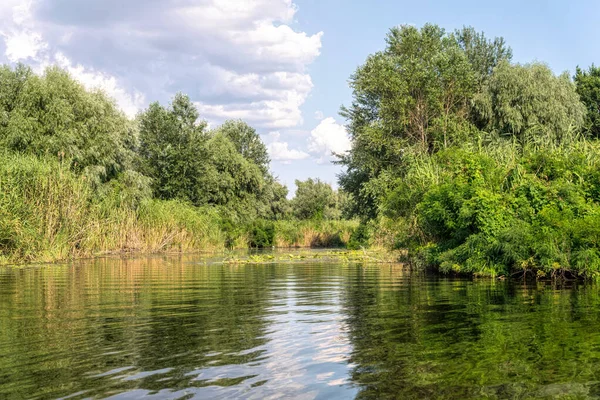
(166, 152)
(162, 180)
(475, 163)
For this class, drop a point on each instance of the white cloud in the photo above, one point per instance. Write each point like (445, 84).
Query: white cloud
(236, 59)
(130, 103)
(23, 43)
(329, 137)
(319, 115)
(280, 151)
(283, 94)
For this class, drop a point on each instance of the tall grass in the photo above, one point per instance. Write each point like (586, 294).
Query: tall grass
(308, 233)
(48, 213)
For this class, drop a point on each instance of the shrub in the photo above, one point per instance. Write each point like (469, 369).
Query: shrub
(262, 234)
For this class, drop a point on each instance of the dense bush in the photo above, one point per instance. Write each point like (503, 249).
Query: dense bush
(487, 171)
(262, 234)
(359, 238)
(500, 212)
(53, 115)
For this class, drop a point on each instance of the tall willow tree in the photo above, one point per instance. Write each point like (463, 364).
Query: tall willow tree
(413, 96)
(52, 114)
(529, 102)
(231, 181)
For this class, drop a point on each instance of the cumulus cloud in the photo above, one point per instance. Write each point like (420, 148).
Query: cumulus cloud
(327, 138)
(129, 102)
(24, 43)
(280, 151)
(20, 39)
(236, 59)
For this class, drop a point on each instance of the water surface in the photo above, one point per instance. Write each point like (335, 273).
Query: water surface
(174, 327)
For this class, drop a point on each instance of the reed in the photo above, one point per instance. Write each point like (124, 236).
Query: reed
(313, 234)
(48, 213)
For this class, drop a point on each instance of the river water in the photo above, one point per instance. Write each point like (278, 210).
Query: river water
(182, 328)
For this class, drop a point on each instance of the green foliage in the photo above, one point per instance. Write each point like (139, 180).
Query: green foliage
(262, 234)
(77, 178)
(474, 164)
(247, 142)
(230, 180)
(173, 150)
(489, 217)
(359, 238)
(529, 101)
(415, 94)
(588, 88)
(42, 205)
(314, 200)
(54, 115)
(226, 168)
(483, 54)
(178, 226)
(48, 213)
(313, 233)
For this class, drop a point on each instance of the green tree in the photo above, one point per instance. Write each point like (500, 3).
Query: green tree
(277, 199)
(416, 94)
(230, 180)
(588, 88)
(227, 168)
(483, 54)
(53, 114)
(173, 150)
(247, 142)
(529, 101)
(314, 199)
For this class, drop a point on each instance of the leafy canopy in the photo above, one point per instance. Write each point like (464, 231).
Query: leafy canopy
(173, 150)
(588, 88)
(415, 94)
(247, 142)
(314, 199)
(529, 101)
(53, 114)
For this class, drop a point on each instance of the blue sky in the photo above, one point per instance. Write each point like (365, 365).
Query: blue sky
(553, 32)
(283, 66)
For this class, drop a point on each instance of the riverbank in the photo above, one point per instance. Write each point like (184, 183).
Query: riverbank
(48, 214)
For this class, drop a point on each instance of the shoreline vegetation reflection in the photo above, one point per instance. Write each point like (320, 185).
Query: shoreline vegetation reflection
(175, 327)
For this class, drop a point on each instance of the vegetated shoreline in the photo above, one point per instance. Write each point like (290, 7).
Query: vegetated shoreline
(248, 256)
(475, 164)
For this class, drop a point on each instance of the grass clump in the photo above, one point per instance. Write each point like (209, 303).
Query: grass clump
(49, 213)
